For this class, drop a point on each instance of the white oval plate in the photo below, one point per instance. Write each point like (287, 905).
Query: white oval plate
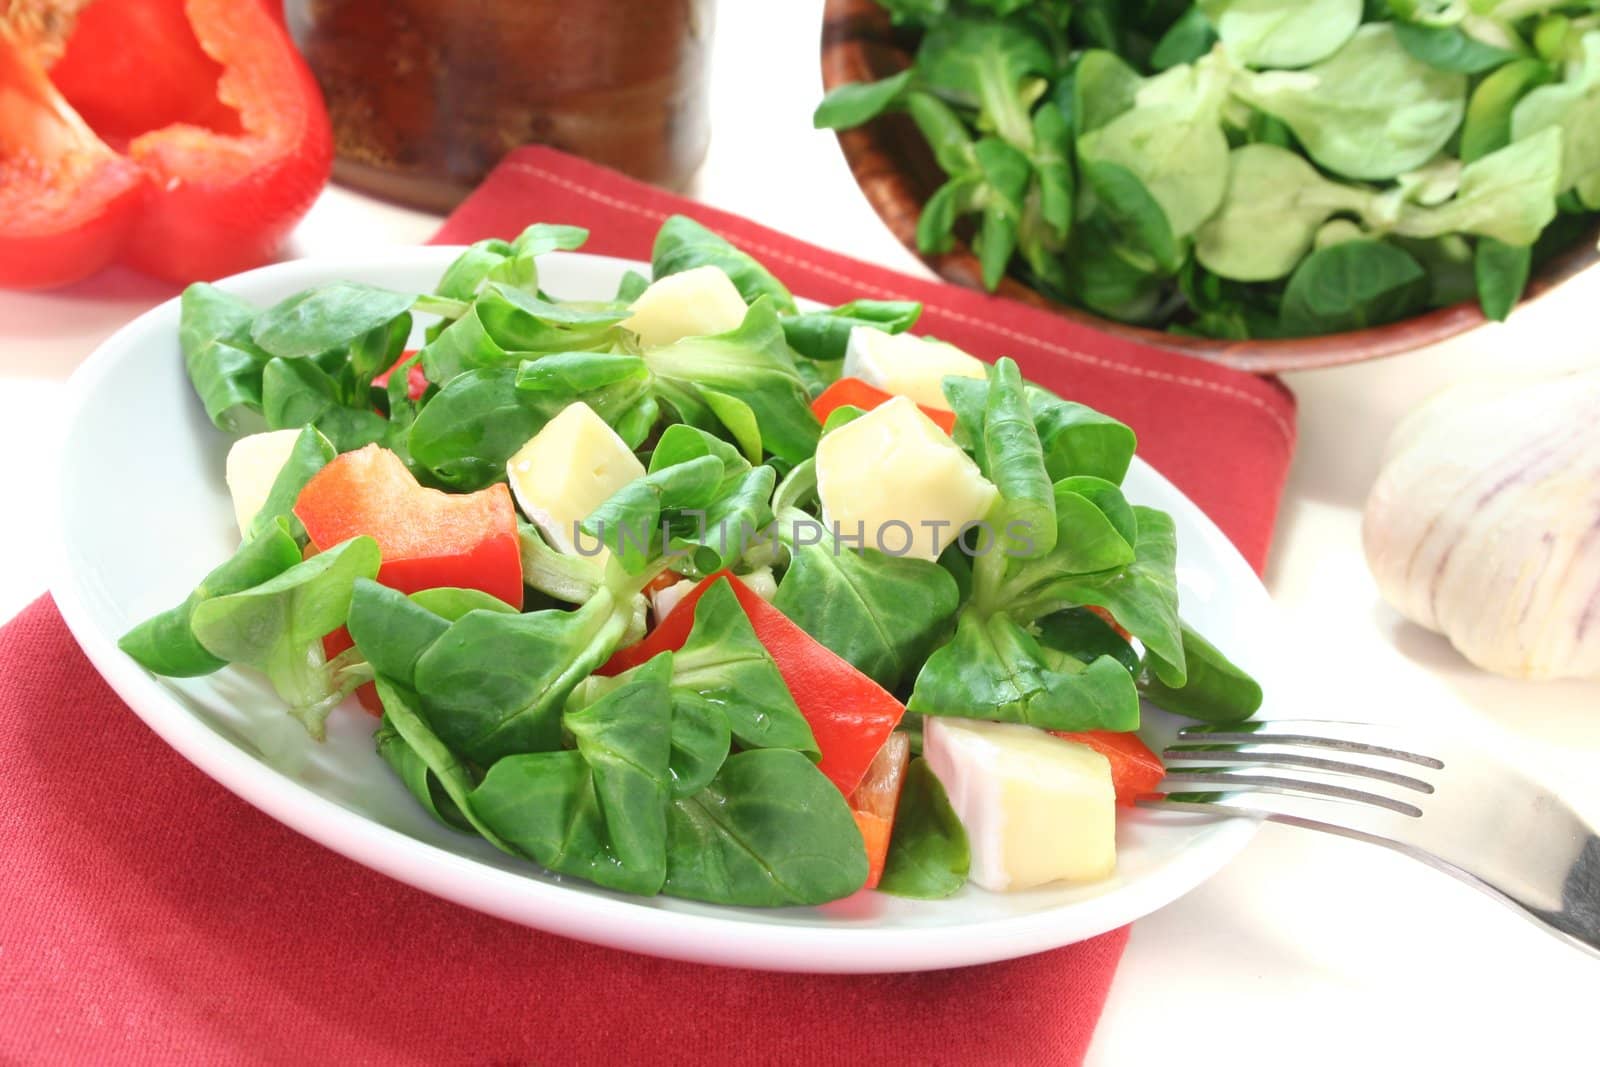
(144, 514)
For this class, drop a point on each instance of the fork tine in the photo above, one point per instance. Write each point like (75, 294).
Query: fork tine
(1362, 821)
(1363, 738)
(1226, 779)
(1273, 755)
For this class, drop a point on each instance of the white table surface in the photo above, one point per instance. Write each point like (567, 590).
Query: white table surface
(1309, 949)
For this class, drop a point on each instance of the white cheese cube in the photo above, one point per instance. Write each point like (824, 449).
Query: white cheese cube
(254, 463)
(907, 366)
(566, 470)
(1037, 809)
(893, 475)
(691, 303)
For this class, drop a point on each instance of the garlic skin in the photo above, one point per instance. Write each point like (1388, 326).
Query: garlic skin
(1484, 524)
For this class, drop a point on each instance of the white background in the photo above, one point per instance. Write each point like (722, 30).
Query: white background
(1309, 949)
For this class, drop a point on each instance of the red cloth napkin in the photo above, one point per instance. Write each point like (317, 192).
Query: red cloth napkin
(148, 915)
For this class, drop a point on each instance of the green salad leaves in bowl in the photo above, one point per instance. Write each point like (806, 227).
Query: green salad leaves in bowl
(1229, 176)
(690, 590)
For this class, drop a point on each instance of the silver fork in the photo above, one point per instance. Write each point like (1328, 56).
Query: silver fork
(1445, 804)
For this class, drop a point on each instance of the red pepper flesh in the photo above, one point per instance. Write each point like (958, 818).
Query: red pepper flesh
(67, 201)
(1110, 620)
(877, 799)
(429, 539)
(416, 377)
(112, 88)
(853, 392)
(875, 834)
(851, 716)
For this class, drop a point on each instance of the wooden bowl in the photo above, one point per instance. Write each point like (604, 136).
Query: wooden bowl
(897, 172)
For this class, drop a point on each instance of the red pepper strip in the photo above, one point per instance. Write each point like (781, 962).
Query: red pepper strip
(429, 539)
(853, 392)
(1135, 770)
(1106, 617)
(876, 800)
(112, 88)
(416, 377)
(851, 716)
(67, 201)
(225, 120)
(875, 834)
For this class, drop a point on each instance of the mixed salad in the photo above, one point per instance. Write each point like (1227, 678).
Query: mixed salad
(692, 591)
(1253, 168)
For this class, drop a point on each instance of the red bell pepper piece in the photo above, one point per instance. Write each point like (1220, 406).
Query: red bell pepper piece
(875, 834)
(851, 716)
(67, 201)
(220, 113)
(416, 377)
(876, 800)
(1107, 618)
(853, 392)
(428, 538)
(672, 632)
(1135, 770)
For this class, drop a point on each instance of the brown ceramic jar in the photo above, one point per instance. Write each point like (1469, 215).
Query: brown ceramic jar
(427, 95)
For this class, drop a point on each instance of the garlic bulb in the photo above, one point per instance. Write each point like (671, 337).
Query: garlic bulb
(1484, 524)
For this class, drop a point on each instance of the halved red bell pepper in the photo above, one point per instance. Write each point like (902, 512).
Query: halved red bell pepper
(221, 114)
(429, 539)
(851, 716)
(67, 201)
(1135, 770)
(876, 800)
(853, 392)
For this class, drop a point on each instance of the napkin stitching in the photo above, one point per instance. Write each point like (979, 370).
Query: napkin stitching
(1000, 331)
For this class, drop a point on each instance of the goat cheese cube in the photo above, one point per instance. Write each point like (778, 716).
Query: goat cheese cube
(691, 303)
(254, 463)
(907, 366)
(1037, 809)
(566, 470)
(893, 475)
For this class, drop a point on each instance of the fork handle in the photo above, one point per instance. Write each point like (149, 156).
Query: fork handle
(1579, 917)
(1575, 919)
